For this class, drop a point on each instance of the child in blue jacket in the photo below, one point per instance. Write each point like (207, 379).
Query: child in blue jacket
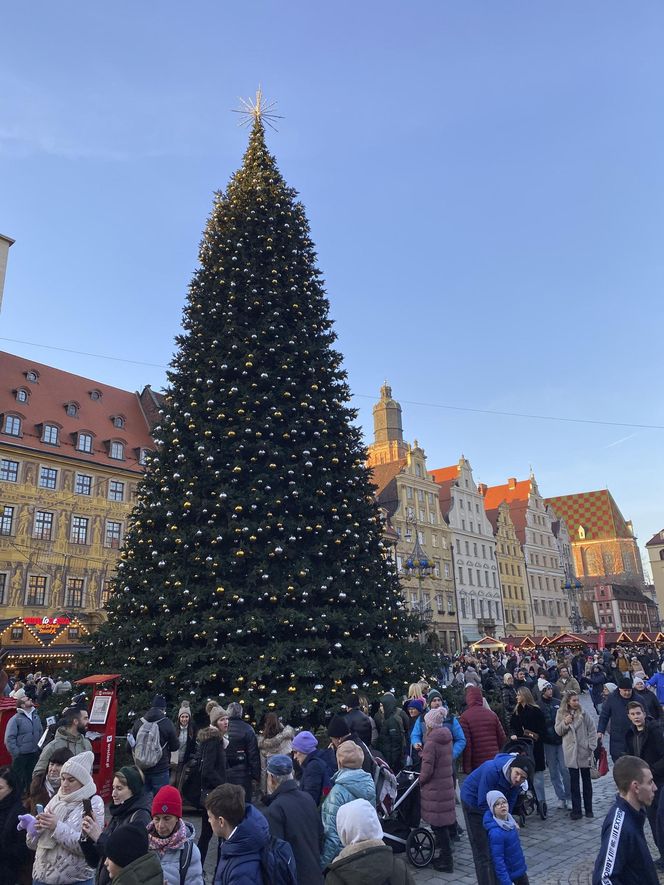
(509, 863)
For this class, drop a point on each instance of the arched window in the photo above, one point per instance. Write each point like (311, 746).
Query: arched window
(116, 450)
(22, 395)
(661, 554)
(12, 425)
(72, 410)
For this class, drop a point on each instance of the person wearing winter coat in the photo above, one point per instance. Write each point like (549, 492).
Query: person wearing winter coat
(293, 815)
(243, 759)
(482, 730)
(158, 775)
(348, 783)
(339, 732)
(451, 722)
(646, 741)
(173, 840)
(129, 860)
(391, 742)
(567, 682)
(358, 722)
(657, 680)
(70, 734)
(184, 728)
(647, 699)
(614, 710)
(553, 749)
(437, 795)
(528, 721)
(415, 708)
(56, 835)
(597, 681)
(245, 833)
(22, 739)
(276, 739)
(507, 772)
(364, 857)
(211, 756)
(14, 855)
(624, 856)
(508, 697)
(129, 805)
(509, 863)
(579, 737)
(315, 771)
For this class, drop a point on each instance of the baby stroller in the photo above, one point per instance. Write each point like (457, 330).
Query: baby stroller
(400, 820)
(527, 802)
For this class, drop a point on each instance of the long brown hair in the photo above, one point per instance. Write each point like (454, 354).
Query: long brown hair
(524, 694)
(272, 726)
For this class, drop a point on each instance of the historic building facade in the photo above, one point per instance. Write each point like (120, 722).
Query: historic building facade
(655, 548)
(533, 524)
(416, 534)
(71, 455)
(476, 576)
(512, 572)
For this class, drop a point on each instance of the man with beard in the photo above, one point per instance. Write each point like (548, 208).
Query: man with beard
(70, 734)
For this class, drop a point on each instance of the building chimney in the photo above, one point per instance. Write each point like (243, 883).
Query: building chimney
(482, 488)
(511, 482)
(5, 243)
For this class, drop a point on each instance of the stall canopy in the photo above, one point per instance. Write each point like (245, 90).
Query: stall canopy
(488, 644)
(569, 639)
(41, 643)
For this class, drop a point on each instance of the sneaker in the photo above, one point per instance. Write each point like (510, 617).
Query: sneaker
(575, 815)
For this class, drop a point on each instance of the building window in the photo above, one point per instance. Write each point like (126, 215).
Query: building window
(409, 493)
(458, 547)
(48, 478)
(72, 410)
(463, 525)
(6, 520)
(12, 425)
(143, 457)
(113, 534)
(8, 470)
(37, 585)
(463, 608)
(116, 490)
(95, 395)
(470, 577)
(79, 530)
(74, 593)
(434, 540)
(536, 606)
(472, 607)
(467, 549)
(3, 588)
(32, 376)
(43, 525)
(21, 395)
(50, 434)
(118, 421)
(73, 634)
(17, 634)
(84, 442)
(447, 569)
(436, 568)
(460, 575)
(106, 591)
(83, 484)
(439, 604)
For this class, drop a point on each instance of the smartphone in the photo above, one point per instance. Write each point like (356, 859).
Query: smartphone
(39, 808)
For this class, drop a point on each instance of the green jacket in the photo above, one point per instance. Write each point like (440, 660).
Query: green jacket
(368, 863)
(144, 871)
(63, 738)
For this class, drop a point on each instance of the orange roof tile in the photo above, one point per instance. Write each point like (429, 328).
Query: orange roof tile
(444, 474)
(596, 511)
(47, 398)
(516, 495)
(445, 477)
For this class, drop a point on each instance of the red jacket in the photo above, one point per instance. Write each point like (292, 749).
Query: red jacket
(437, 780)
(483, 731)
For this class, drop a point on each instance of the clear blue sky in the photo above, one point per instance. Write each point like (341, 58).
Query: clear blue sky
(484, 182)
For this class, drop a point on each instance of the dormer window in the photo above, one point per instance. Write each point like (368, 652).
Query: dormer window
(118, 421)
(95, 395)
(72, 410)
(143, 458)
(22, 395)
(12, 425)
(84, 442)
(50, 434)
(32, 376)
(581, 533)
(116, 450)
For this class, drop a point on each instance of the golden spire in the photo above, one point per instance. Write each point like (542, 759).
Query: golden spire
(259, 110)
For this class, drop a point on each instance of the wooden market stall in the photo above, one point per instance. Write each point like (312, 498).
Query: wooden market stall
(488, 643)
(46, 644)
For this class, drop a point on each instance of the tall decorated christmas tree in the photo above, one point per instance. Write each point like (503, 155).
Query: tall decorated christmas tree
(253, 566)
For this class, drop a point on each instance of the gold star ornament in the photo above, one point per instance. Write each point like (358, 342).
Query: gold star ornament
(259, 110)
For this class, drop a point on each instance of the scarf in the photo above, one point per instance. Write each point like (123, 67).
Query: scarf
(508, 824)
(174, 842)
(60, 806)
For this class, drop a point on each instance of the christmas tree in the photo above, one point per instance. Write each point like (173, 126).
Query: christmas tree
(253, 566)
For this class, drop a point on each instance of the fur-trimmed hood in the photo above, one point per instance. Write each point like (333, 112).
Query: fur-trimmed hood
(272, 745)
(210, 733)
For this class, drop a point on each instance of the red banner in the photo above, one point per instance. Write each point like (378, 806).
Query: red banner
(601, 641)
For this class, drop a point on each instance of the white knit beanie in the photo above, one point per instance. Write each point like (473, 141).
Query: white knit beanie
(80, 767)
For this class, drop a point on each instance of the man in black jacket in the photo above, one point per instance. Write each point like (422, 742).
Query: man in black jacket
(614, 709)
(158, 776)
(553, 746)
(646, 741)
(358, 722)
(292, 815)
(243, 761)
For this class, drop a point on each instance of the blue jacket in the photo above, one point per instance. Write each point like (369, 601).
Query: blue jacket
(458, 737)
(316, 775)
(624, 857)
(240, 856)
(506, 852)
(348, 784)
(23, 733)
(658, 681)
(489, 776)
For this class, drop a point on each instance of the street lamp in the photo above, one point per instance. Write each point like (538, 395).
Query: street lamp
(572, 588)
(417, 565)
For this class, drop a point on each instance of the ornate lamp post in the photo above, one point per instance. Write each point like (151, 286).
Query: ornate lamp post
(572, 587)
(417, 565)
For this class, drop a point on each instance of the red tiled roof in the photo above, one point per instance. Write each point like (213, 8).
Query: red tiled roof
(444, 474)
(656, 540)
(46, 403)
(383, 474)
(516, 496)
(596, 511)
(445, 477)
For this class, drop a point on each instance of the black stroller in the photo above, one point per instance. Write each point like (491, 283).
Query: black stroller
(400, 820)
(527, 803)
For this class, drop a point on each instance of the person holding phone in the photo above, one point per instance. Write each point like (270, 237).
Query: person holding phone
(59, 857)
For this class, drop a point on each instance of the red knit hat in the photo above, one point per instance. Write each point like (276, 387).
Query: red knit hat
(167, 800)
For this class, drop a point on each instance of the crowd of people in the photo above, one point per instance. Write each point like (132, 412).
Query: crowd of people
(291, 805)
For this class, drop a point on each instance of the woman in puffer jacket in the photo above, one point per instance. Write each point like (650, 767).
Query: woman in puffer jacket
(211, 756)
(276, 739)
(56, 835)
(350, 782)
(437, 796)
(173, 840)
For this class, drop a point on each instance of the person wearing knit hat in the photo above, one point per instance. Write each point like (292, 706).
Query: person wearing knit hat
(184, 727)
(350, 782)
(614, 711)
(128, 860)
(437, 791)
(338, 728)
(128, 805)
(170, 836)
(58, 860)
(434, 699)
(416, 704)
(314, 767)
(212, 743)
(435, 718)
(509, 863)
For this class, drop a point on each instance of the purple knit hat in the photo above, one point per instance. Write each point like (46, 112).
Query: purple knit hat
(418, 703)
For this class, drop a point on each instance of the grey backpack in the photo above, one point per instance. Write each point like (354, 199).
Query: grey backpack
(149, 749)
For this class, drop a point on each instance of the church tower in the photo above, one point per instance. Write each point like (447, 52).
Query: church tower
(388, 444)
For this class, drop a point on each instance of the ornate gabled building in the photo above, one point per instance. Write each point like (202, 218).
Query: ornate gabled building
(415, 533)
(474, 553)
(512, 571)
(533, 524)
(655, 548)
(71, 456)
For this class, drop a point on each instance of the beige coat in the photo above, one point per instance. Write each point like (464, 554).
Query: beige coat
(579, 738)
(58, 856)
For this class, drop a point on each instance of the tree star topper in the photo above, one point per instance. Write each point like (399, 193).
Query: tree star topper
(260, 110)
